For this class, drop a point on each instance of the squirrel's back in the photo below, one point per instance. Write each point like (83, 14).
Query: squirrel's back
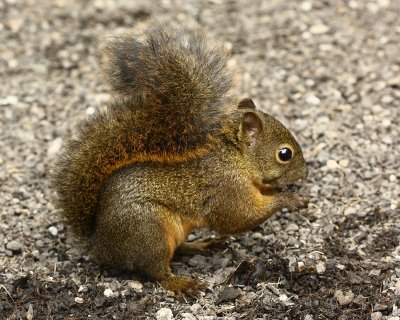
(170, 104)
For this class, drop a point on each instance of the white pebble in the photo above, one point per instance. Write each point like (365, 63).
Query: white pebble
(283, 298)
(191, 237)
(344, 298)
(82, 289)
(53, 231)
(377, 108)
(340, 266)
(331, 164)
(188, 316)
(306, 6)
(321, 267)
(79, 300)
(349, 211)
(108, 292)
(9, 100)
(326, 47)
(319, 29)
(383, 3)
(376, 316)
(386, 99)
(135, 285)
(386, 123)
(164, 314)
(387, 140)
(313, 100)
(344, 163)
(195, 308)
(353, 4)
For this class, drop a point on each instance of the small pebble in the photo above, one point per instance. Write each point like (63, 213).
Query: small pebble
(387, 140)
(191, 237)
(188, 316)
(386, 99)
(331, 164)
(14, 246)
(344, 298)
(340, 266)
(375, 272)
(386, 123)
(376, 315)
(82, 289)
(292, 227)
(195, 308)
(344, 163)
(306, 5)
(79, 300)
(313, 100)
(135, 285)
(164, 314)
(53, 231)
(29, 313)
(320, 267)
(9, 100)
(108, 293)
(383, 3)
(319, 29)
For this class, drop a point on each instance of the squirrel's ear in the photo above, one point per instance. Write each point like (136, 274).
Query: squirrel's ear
(251, 125)
(246, 103)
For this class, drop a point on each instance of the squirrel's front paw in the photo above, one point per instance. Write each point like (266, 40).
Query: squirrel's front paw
(293, 201)
(183, 285)
(202, 247)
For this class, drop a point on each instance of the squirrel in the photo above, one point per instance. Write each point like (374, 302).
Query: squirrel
(174, 151)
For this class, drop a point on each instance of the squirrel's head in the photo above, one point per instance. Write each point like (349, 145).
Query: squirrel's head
(270, 147)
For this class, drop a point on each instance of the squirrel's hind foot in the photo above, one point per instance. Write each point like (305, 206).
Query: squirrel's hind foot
(183, 285)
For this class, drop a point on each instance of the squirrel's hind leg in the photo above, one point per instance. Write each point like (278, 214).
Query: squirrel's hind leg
(143, 238)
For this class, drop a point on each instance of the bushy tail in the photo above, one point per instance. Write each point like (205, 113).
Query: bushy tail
(170, 105)
(181, 80)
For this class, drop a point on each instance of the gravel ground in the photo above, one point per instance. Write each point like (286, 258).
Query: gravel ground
(330, 70)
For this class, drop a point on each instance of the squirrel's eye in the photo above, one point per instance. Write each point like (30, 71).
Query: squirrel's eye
(284, 154)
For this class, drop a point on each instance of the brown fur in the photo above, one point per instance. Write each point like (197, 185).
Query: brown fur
(171, 106)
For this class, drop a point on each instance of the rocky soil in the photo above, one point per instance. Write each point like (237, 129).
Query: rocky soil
(330, 70)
